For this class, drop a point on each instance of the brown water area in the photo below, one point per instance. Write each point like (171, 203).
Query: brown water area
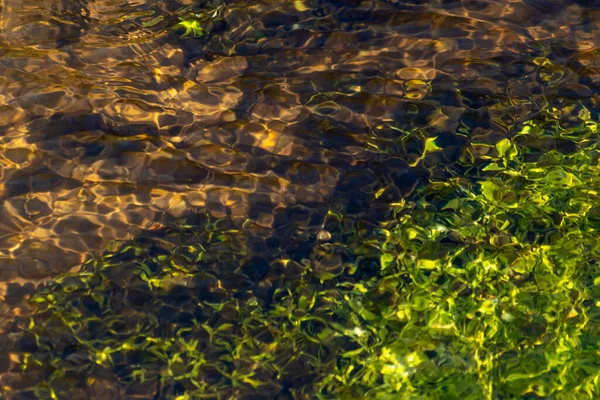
(114, 124)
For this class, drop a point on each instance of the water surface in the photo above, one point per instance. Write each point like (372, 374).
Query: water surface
(266, 136)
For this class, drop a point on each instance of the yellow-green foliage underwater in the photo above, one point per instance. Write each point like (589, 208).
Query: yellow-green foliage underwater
(446, 245)
(476, 288)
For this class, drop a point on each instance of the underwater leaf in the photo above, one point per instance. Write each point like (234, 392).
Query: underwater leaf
(506, 149)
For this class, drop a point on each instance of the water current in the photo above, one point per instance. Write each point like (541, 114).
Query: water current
(246, 144)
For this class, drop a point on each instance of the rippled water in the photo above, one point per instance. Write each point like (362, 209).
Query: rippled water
(110, 128)
(272, 120)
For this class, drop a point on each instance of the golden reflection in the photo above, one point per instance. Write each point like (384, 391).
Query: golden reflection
(112, 124)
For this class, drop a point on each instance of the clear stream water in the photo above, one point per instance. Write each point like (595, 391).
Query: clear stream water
(272, 118)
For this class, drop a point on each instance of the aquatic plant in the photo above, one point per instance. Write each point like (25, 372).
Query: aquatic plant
(188, 314)
(476, 288)
(191, 26)
(194, 23)
(489, 286)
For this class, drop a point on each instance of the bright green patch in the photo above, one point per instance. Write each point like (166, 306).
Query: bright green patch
(485, 288)
(191, 26)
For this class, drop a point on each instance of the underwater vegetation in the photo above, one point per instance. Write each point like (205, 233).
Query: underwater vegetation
(475, 288)
(479, 278)
(183, 315)
(193, 24)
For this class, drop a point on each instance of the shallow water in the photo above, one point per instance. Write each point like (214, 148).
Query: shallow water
(270, 123)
